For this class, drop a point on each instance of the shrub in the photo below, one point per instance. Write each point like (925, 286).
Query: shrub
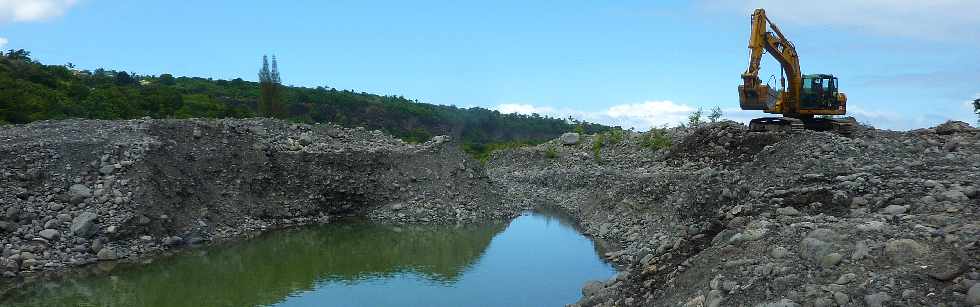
(597, 144)
(655, 139)
(616, 135)
(715, 114)
(551, 152)
(694, 119)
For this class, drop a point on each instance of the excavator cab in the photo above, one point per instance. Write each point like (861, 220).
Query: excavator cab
(819, 92)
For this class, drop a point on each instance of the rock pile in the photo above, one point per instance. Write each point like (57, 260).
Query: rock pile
(79, 191)
(726, 217)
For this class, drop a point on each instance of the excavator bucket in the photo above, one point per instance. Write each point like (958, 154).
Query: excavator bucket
(760, 97)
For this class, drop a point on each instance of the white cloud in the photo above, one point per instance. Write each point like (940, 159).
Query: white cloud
(32, 10)
(931, 19)
(3, 42)
(641, 116)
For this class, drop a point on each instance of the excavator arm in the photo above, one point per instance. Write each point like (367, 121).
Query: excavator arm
(753, 95)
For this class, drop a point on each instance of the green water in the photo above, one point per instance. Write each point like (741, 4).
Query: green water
(535, 260)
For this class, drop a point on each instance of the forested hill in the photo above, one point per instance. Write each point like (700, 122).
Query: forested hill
(31, 91)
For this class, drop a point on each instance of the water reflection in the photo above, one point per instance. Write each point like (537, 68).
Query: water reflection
(538, 260)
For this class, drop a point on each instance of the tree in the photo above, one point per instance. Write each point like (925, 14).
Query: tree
(715, 114)
(694, 119)
(270, 100)
(976, 109)
(167, 79)
(123, 78)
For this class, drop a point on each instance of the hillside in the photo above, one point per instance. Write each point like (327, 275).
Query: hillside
(31, 91)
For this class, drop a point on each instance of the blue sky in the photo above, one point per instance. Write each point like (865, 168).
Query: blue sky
(904, 64)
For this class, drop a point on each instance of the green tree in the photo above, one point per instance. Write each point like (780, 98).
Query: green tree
(694, 119)
(976, 109)
(167, 79)
(270, 101)
(715, 114)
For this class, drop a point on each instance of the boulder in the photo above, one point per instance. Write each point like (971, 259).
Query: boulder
(973, 296)
(78, 193)
(49, 234)
(305, 139)
(592, 288)
(107, 253)
(107, 170)
(902, 251)
(83, 225)
(570, 138)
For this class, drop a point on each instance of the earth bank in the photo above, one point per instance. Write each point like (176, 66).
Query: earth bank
(725, 217)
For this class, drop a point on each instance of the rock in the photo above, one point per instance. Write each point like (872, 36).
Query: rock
(859, 201)
(570, 138)
(173, 241)
(197, 133)
(7, 227)
(107, 170)
(107, 253)
(814, 249)
(83, 225)
(78, 193)
(895, 209)
(305, 139)
(877, 300)
(846, 278)
(439, 139)
(973, 296)
(861, 250)
(787, 211)
(841, 298)
(779, 252)
(902, 251)
(592, 288)
(830, 260)
(782, 303)
(714, 298)
(953, 126)
(49, 234)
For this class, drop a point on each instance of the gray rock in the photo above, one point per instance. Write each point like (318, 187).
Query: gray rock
(592, 288)
(895, 209)
(173, 241)
(107, 253)
(570, 138)
(953, 126)
(973, 296)
(7, 227)
(787, 211)
(714, 298)
(902, 251)
(814, 249)
(779, 252)
(846, 278)
(49, 234)
(305, 139)
(783, 303)
(841, 298)
(877, 300)
(861, 250)
(83, 225)
(439, 139)
(830, 260)
(107, 170)
(78, 193)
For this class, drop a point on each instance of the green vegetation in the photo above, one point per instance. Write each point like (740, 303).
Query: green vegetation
(615, 135)
(551, 152)
(655, 139)
(694, 119)
(597, 142)
(31, 91)
(976, 109)
(715, 115)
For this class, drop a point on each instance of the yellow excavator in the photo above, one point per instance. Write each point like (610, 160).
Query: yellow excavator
(808, 102)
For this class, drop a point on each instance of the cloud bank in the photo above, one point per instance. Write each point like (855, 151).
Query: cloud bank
(3, 42)
(32, 10)
(641, 116)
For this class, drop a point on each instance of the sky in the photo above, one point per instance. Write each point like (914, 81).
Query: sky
(904, 64)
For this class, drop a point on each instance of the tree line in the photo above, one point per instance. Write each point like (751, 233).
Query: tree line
(32, 91)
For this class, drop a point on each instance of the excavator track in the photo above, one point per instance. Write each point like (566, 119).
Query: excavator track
(841, 126)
